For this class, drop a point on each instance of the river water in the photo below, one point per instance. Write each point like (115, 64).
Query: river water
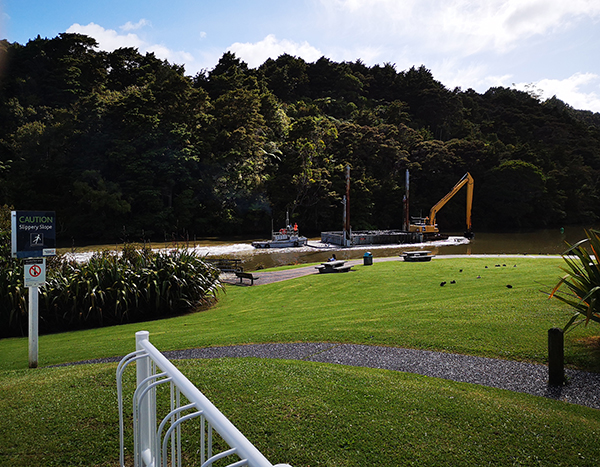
(539, 242)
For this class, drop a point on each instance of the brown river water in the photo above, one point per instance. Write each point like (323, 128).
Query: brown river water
(539, 242)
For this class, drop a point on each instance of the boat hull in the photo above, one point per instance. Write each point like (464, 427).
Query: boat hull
(290, 242)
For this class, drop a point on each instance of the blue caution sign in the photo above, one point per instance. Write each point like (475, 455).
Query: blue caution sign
(33, 234)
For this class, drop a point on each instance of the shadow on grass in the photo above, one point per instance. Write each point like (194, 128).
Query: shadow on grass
(585, 349)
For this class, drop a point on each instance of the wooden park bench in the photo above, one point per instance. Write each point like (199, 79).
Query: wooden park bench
(246, 275)
(226, 264)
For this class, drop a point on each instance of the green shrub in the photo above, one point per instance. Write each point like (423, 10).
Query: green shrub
(111, 288)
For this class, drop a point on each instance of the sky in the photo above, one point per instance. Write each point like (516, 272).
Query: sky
(546, 46)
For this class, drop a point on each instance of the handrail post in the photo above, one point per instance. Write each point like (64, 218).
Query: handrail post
(153, 369)
(147, 408)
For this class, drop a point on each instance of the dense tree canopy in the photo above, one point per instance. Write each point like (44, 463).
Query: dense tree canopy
(122, 144)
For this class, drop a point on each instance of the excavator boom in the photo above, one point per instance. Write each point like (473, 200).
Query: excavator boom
(467, 179)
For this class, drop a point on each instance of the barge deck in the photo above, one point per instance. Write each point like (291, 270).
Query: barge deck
(377, 237)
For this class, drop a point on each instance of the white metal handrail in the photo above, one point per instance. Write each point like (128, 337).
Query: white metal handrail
(150, 445)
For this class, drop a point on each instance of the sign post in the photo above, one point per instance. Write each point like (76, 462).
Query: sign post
(35, 277)
(33, 237)
(33, 326)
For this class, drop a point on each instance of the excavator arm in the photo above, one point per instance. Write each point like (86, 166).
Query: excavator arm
(467, 179)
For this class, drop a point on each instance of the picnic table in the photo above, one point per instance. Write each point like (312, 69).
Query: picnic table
(333, 266)
(417, 256)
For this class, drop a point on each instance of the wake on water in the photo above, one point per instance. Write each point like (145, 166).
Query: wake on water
(246, 249)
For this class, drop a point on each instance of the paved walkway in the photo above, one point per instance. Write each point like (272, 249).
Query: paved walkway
(268, 277)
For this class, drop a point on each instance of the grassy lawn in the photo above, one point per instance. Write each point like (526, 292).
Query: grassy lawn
(306, 414)
(319, 414)
(390, 303)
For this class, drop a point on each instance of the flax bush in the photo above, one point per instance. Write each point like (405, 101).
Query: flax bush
(582, 280)
(110, 288)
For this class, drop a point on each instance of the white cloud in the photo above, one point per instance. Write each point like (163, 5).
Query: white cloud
(454, 74)
(581, 90)
(129, 26)
(164, 53)
(461, 26)
(109, 40)
(255, 54)
(491, 81)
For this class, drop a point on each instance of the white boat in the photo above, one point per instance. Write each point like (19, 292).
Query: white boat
(285, 238)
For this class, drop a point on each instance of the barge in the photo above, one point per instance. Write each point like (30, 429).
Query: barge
(371, 237)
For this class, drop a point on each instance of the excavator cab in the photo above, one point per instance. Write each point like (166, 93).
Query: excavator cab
(421, 225)
(427, 225)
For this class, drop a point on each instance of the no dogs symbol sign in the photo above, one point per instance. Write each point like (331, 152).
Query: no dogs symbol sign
(35, 272)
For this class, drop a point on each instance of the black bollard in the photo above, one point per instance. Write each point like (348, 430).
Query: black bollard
(556, 357)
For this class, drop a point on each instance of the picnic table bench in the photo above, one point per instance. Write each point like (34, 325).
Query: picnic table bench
(246, 275)
(417, 256)
(333, 266)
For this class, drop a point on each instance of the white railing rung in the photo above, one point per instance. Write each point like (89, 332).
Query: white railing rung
(175, 425)
(220, 456)
(151, 442)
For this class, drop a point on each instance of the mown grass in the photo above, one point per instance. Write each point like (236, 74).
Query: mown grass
(390, 303)
(318, 414)
(306, 414)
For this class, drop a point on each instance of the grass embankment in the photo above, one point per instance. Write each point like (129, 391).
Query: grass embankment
(317, 414)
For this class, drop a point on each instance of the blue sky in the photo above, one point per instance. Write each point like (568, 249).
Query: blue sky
(550, 44)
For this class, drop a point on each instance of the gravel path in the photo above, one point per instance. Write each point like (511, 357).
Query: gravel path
(529, 378)
(583, 387)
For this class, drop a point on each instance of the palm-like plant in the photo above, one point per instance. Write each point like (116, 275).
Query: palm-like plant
(582, 280)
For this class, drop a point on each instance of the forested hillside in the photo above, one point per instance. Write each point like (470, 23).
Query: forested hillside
(124, 145)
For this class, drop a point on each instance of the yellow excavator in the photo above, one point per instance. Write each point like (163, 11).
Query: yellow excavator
(427, 225)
